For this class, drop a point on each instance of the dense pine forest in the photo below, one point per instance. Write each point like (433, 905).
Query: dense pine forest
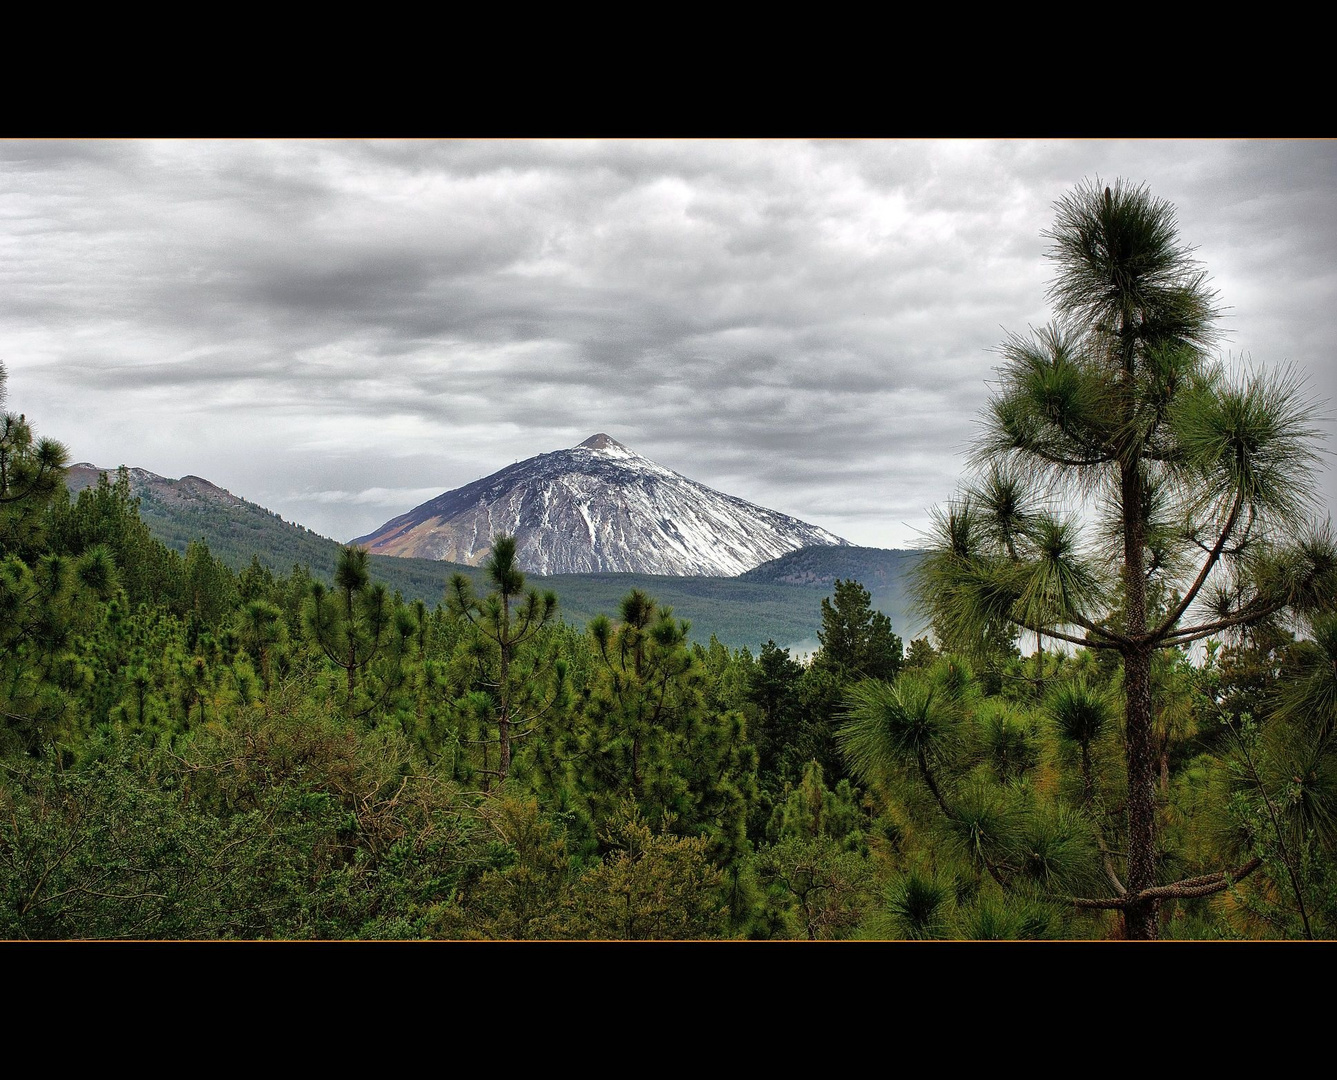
(1090, 744)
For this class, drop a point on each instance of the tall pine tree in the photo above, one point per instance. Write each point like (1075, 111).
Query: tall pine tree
(509, 626)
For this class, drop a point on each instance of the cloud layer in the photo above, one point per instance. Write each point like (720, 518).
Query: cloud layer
(339, 330)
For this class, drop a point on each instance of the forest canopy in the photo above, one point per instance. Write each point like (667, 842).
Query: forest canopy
(1121, 725)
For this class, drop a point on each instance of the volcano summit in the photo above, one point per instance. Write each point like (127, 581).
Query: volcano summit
(597, 507)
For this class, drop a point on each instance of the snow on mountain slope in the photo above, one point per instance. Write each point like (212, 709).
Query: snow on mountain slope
(597, 507)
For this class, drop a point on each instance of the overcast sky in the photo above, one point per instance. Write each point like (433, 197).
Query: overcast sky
(342, 330)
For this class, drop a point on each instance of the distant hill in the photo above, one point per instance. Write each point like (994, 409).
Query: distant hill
(599, 507)
(179, 511)
(884, 572)
(737, 612)
(191, 508)
(778, 600)
(883, 568)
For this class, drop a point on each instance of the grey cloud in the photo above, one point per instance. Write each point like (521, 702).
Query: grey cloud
(806, 321)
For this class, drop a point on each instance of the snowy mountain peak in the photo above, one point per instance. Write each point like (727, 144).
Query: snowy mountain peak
(598, 507)
(604, 442)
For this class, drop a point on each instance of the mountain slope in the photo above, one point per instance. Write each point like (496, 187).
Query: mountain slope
(597, 508)
(191, 508)
(884, 572)
(821, 566)
(780, 599)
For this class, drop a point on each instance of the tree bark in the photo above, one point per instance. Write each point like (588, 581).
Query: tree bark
(1141, 920)
(352, 648)
(504, 720)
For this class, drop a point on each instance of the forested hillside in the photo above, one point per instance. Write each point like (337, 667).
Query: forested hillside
(1123, 724)
(750, 610)
(885, 572)
(180, 511)
(189, 751)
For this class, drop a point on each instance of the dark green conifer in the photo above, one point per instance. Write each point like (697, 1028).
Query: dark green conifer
(1200, 486)
(349, 623)
(509, 630)
(857, 641)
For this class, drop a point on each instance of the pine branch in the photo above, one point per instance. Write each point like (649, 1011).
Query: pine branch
(1202, 886)
(1187, 889)
(1240, 618)
(1212, 557)
(1086, 641)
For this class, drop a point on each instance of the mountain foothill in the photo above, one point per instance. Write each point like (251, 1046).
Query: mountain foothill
(590, 521)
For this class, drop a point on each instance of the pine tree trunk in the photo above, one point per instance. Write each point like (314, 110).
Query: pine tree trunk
(504, 719)
(352, 648)
(1141, 920)
(503, 737)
